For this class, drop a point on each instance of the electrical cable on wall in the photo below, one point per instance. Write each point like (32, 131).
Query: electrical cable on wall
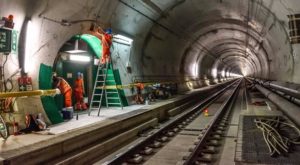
(3, 73)
(8, 87)
(65, 22)
(6, 102)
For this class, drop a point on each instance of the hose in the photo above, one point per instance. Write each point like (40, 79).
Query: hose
(277, 143)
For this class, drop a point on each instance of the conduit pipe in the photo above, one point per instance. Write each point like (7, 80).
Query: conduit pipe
(292, 99)
(288, 108)
(287, 88)
(29, 93)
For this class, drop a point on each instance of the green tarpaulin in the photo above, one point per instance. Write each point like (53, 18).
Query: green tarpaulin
(95, 45)
(119, 82)
(93, 42)
(48, 102)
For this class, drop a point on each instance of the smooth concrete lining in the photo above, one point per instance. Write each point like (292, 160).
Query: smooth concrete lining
(88, 136)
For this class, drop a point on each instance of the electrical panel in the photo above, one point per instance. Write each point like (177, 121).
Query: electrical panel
(294, 28)
(8, 41)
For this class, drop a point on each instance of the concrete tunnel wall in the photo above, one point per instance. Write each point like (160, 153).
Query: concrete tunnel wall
(182, 40)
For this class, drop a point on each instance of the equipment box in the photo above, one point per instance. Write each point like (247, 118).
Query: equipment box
(68, 113)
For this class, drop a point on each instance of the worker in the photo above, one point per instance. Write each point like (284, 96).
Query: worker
(65, 89)
(139, 98)
(106, 42)
(79, 92)
(9, 21)
(152, 95)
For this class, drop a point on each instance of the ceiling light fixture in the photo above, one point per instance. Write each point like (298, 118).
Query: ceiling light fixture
(80, 58)
(28, 45)
(122, 39)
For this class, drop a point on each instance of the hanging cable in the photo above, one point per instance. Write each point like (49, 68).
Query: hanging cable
(3, 73)
(65, 22)
(5, 103)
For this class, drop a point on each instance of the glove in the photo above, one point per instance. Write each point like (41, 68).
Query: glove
(57, 91)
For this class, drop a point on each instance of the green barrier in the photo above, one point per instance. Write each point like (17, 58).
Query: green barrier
(51, 109)
(48, 102)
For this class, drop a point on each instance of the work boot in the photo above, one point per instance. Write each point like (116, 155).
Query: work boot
(77, 106)
(84, 107)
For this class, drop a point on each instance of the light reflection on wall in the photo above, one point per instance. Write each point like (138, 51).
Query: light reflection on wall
(214, 72)
(195, 69)
(190, 85)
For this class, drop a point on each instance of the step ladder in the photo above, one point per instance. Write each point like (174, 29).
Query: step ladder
(100, 91)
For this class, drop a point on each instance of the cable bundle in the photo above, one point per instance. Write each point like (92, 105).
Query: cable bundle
(278, 141)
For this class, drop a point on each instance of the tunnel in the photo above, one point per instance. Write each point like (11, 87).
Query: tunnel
(190, 44)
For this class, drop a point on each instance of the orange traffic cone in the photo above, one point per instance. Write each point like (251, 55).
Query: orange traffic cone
(206, 113)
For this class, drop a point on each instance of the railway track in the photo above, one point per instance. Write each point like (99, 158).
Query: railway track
(101, 141)
(191, 137)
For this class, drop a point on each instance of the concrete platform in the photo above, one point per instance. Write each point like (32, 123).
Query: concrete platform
(66, 134)
(68, 137)
(16, 142)
(106, 114)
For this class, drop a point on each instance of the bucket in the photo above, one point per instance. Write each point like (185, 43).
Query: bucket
(147, 102)
(68, 113)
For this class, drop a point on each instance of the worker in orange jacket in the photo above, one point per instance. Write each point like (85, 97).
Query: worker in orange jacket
(9, 21)
(65, 89)
(139, 98)
(106, 42)
(79, 92)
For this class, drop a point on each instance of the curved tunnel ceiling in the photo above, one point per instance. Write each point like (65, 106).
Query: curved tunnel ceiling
(228, 34)
(177, 38)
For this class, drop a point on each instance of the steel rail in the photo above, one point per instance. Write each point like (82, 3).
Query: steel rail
(229, 102)
(120, 158)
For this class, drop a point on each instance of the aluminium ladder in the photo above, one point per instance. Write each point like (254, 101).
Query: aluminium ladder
(112, 95)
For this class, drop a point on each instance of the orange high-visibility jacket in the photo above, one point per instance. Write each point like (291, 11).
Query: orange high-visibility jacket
(64, 86)
(79, 85)
(140, 86)
(106, 43)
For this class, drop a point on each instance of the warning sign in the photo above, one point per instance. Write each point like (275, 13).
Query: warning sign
(8, 40)
(5, 40)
